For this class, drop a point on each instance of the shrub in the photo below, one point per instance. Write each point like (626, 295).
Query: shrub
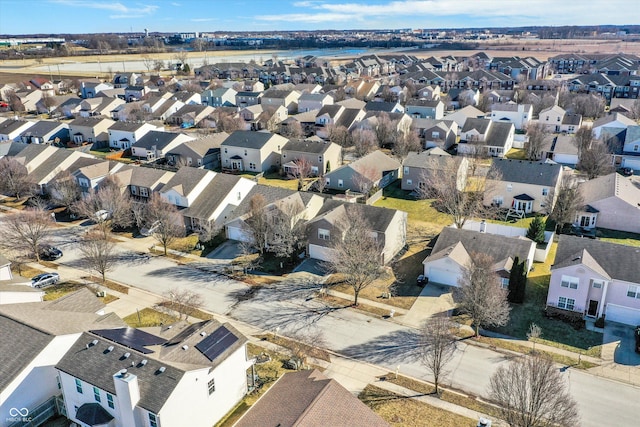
(599, 322)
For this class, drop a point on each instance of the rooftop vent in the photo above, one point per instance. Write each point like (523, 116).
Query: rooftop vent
(94, 342)
(144, 362)
(109, 349)
(126, 355)
(203, 333)
(576, 258)
(185, 347)
(161, 369)
(124, 373)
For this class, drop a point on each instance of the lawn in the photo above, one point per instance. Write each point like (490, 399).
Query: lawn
(404, 411)
(420, 211)
(517, 154)
(61, 289)
(620, 237)
(554, 332)
(275, 180)
(148, 317)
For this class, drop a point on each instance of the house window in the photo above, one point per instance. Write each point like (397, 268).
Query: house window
(504, 282)
(633, 291)
(110, 401)
(498, 201)
(58, 382)
(545, 191)
(323, 234)
(225, 151)
(409, 182)
(153, 420)
(547, 118)
(406, 170)
(435, 135)
(239, 195)
(597, 284)
(252, 166)
(144, 192)
(96, 394)
(134, 190)
(78, 386)
(328, 181)
(245, 152)
(635, 148)
(320, 159)
(212, 385)
(566, 303)
(569, 282)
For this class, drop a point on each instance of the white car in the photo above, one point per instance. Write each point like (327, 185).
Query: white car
(45, 279)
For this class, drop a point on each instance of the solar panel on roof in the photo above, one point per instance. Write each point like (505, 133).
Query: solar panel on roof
(216, 343)
(131, 337)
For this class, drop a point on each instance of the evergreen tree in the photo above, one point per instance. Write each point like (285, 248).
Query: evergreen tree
(536, 230)
(517, 281)
(328, 166)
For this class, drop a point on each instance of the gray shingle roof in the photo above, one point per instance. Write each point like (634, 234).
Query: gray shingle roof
(379, 218)
(49, 165)
(211, 197)
(309, 399)
(481, 125)
(618, 261)
(19, 345)
(271, 194)
(428, 160)
(498, 134)
(612, 185)
(187, 179)
(524, 171)
(42, 128)
(155, 138)
(126, 126)
(11, 125)
(8, 148)
(250, 139)
(306, 146)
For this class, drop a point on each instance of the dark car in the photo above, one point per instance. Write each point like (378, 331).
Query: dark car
(45, 279)
(422, 280)
(50, 253)
(626, 171)
(637, 335)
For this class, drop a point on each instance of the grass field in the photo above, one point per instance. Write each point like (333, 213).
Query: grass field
(148, 317)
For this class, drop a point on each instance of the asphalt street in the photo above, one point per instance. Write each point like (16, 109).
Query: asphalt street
(291, 308)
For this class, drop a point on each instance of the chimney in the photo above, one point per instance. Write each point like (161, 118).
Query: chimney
(128, 395)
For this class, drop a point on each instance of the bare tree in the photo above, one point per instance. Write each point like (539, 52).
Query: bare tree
(292, 130)
(181, 58)
(15, 180)
(286, 230)
(385, 129)
(480, 295)
(207, 230)
(257, 225)
(158, 65)
(537, 133)
(98, 252)
(364, 142)
(356, 251)
(302, 344)
(185, 302)
(339, 135)
(65, 190)
(26, 231)
(148, 62)
(164, 221)
(634, 112)
(438, 346)
(564, 205)
(531, 392)
(49, 101)
(596, 160)
(365, 180)
(320, 184)
(406, 142)
(583, 139)
(302, 171)
(113, 204)
(459, 196)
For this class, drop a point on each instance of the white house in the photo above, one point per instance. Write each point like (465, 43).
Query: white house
(156, 144)
(134, 378)
(518, 114)
(123, 135)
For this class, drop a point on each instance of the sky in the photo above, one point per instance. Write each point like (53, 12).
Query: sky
(97, 16)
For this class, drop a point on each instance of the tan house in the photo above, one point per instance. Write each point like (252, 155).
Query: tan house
(85, 129)
(320, 156)
(287, 98)
(252, 151)
(557, 120)
(522, 186)
(417, 167)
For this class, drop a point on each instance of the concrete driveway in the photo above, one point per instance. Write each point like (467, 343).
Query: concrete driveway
(434, 299)
(619, 343)
(226, 252)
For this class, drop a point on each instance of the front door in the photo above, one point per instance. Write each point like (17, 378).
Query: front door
(593, 308)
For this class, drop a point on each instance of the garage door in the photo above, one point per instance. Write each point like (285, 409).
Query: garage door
(238, 234)
(631, 163)
(443, 277)
(320, 252)
(620, 314)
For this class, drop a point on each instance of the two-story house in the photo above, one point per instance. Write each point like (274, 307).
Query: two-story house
(45, 132)
(130, 377)
(11, 129)
(376, 169)
(90, 176)
(417, 167)
(518, 114)
(594, 278)
(155, 144)
(495, 138)
(287, 98)
(248, 98)
(220, 97)
(90, 130)
(313, 101)
(123, 135)
(436, 133)
(201, 152)
(90, 89)
(318, 156)
(425, 109)
(522, 185)
(252, 151)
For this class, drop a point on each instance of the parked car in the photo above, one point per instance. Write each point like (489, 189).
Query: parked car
(637, 335)
(50, 253)
(45, 279)
(626, 171)
(102, 215)
(422, 280)
(483, 422)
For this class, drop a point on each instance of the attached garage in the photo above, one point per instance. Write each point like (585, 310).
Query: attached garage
(633, 163)
(321, 253)
(620, 314)
(441, 276)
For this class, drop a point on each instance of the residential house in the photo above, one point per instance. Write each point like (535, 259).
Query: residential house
(44, 85)
(139, 182)
(594, 278)
(389, 226)
(70, 108)
(429, 92)
(310, 394)
(11, 149)
(165, 110)
(203, 152)
(387, 107)
(130, 377)
(99, 106)
(495, 138)
(58, 160)
(523, 186)
(557, 120)
(11, 129)
(613, 125)
(458, 97)
(135, 93)
(252, 86)
(220, 97)
(217, 201)
(31, 99)
(518, 114)
(612, 202)
(45, 331)
(15, 290)
(90, 176)
(259, 117)
(313, 101)
(90, 89)
(461, 116)
(45, 132)
(287, 98)
(186, 185)
(375, 170)
(436, 133)
(123, 135)
(561, 149)
(248, 98)
(155, 144)
(90, 130)
(425, 109)
(455, 249)
(318, 156)
(417, 167)
(191, 115)
(122, 80)
(34, 155)
(252, 151)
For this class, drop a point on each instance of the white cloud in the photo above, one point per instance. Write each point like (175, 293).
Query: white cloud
(202, 19)
(123, 11)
